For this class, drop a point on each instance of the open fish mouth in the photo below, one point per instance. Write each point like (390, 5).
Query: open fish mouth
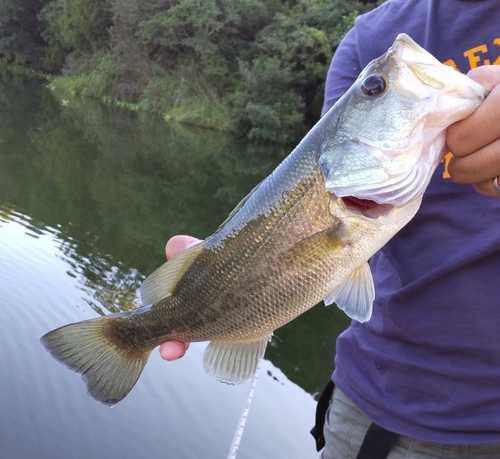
(390, 158)
(366, 207)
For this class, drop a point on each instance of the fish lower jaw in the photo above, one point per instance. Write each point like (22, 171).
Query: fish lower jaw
(366, 207)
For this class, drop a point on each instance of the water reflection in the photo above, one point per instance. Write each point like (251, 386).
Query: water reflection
(88, 197)
(175, 412)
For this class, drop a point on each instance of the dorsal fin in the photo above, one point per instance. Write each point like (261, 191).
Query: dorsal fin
(239, 206)
(355, 295)
(161, 282)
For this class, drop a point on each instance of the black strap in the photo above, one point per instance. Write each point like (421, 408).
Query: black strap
(377, 443)
(321, 407)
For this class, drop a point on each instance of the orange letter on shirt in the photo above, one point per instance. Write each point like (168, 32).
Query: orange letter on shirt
(473, 59)
(446, 160)
(497, 42)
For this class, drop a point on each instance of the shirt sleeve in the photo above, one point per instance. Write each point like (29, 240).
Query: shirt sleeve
(344, 69)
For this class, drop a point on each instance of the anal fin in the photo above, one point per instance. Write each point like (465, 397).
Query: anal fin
(355, 295)
(234, 362)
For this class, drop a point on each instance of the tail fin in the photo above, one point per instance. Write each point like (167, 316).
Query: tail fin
(108, 371)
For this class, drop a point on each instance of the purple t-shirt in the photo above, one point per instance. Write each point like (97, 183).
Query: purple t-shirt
(427, 364)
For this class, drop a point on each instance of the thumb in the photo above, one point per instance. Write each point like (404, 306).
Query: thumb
(486, 75)
(179, 243)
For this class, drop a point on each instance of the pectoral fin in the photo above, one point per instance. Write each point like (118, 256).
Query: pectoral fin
(355, 295)
(234, 362)
(161, 282)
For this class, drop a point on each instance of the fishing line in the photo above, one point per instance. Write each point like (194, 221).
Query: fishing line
(233, 451)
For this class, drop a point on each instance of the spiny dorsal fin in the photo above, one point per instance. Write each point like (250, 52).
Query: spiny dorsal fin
(160, 283)
(239, 206)
(234, 362)
(355, 295)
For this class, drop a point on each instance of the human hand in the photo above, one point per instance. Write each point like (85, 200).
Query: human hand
(173, 350)
(475, 141)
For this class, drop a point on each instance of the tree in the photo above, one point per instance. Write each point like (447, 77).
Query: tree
(21, 39)
(75, 27)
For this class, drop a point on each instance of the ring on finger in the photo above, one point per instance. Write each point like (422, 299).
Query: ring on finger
(495, 185)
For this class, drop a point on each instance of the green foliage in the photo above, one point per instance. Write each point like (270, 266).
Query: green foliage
(266, 64)
(207, 30)
(251, 66)
(185, 96)
(21, 32)
(281, 91)
(264, 103)
(84, 23)
(95, 79)
(75, 27)
(55, 50)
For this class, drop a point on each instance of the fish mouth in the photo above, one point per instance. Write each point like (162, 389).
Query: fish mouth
(366, 207)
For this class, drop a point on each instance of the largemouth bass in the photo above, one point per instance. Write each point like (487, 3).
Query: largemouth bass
(303, 235)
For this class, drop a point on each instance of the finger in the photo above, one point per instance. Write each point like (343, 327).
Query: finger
(486, 188)
(486, 75)
(482, 166)
(179, 243)
(173, 350)
(477, 130)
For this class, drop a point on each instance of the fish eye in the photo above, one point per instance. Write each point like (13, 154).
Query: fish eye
(373, 85)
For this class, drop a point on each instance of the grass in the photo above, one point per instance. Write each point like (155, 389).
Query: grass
(181, 97)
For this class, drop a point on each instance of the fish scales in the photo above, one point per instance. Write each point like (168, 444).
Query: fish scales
(305, 234)
(238, 294)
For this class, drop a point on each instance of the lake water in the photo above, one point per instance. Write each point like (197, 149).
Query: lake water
(88, 197)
